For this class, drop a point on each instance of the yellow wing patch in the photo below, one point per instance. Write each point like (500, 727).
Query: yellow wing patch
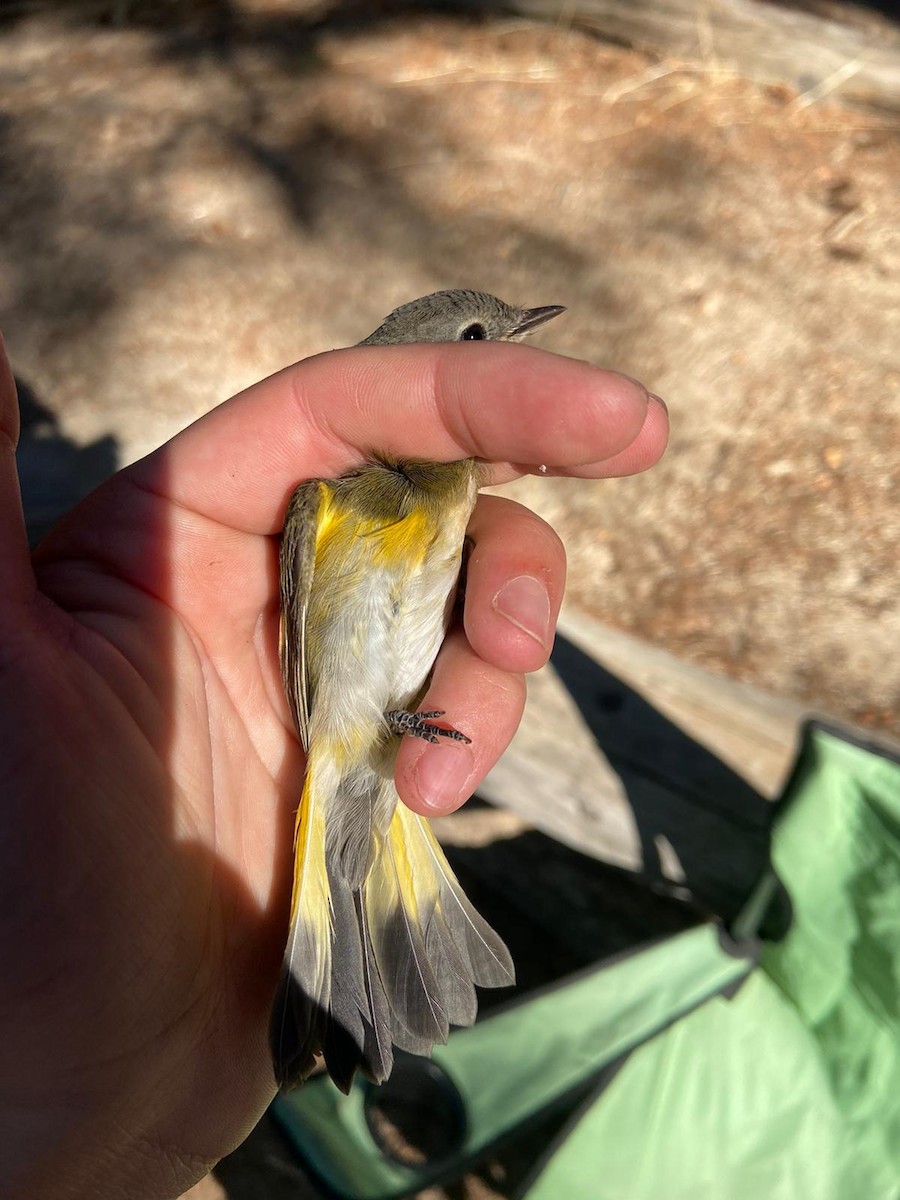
(406, 540)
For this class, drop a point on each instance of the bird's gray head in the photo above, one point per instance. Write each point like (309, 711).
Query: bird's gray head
(459, 316)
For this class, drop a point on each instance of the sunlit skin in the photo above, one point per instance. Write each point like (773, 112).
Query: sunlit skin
(149, 763)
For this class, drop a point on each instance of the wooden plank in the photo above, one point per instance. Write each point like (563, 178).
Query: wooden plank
(848, 53)
(644, 762)
(647, 763)
(750, 730)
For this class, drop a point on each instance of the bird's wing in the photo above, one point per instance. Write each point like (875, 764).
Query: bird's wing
(296, 567)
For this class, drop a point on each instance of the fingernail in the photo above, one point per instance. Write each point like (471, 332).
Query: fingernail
(659, 400)
(525, 601)
(442, 774)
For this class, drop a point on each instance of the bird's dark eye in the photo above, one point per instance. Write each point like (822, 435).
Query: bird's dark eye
(473, 333)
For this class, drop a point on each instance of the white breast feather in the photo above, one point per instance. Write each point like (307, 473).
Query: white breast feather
(379, 660)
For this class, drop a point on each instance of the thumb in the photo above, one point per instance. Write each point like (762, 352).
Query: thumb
(15, 559)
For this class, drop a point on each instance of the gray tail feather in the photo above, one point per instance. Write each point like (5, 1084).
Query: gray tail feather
(401, 979)
(358, 1035)
(296, 1031)
(485, 960)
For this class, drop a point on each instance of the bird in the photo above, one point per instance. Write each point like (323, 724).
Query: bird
(384, 948)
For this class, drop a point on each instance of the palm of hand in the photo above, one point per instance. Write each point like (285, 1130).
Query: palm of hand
(157, 879)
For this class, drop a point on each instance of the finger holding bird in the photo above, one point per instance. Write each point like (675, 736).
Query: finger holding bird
(507, 404)
(436, 779)
(514, 582)
(511, 405)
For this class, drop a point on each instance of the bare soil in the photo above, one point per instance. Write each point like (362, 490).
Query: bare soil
(186, 208)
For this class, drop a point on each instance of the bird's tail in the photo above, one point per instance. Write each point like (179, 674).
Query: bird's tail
(384, 947)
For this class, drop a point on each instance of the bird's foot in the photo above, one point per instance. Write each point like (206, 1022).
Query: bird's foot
(420, 725)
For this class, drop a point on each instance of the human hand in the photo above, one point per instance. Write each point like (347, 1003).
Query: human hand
(150, 771)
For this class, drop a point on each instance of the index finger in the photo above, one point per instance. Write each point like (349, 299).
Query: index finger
(327, 414)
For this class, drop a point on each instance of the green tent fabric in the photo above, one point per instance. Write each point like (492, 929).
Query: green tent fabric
(837, 845)
(731, 1103)
(732, 1082)
(792, 1089)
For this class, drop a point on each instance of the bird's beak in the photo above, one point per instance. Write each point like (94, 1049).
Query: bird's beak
(532, 317)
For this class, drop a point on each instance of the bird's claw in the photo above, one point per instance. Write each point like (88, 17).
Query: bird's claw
(420, 725)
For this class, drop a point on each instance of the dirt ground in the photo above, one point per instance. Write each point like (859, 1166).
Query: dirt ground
(185, 209)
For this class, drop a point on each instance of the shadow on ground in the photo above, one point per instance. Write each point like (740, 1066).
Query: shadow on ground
(54, 472)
